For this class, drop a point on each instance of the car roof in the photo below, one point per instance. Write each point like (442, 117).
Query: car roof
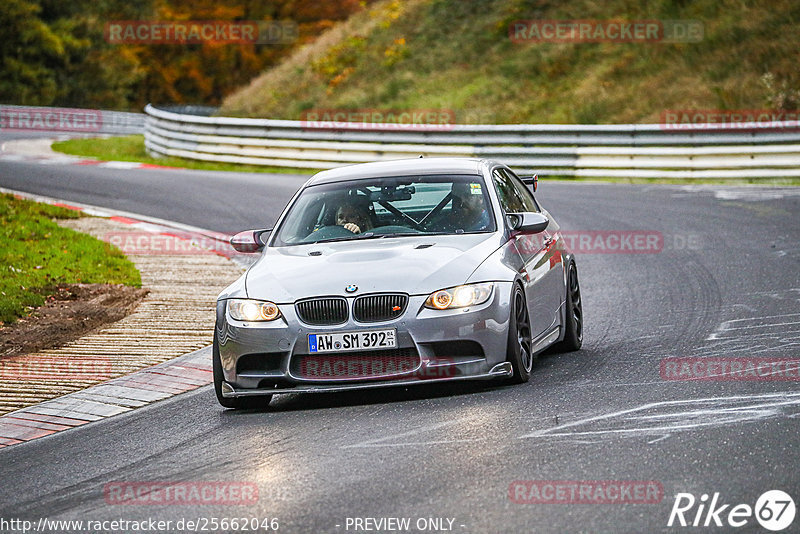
(402, 167)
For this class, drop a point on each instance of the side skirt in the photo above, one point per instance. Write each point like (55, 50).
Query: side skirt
(546, 339)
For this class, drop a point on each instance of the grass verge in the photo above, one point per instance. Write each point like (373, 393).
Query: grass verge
(131, 148)
(37, 255)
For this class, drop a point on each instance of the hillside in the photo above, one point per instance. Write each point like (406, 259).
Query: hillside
(457, 55)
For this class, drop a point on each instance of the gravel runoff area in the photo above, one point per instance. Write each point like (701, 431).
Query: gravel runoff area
(175, 318)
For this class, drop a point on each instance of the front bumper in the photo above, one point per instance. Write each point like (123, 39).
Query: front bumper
(500, 370)
(259, 358)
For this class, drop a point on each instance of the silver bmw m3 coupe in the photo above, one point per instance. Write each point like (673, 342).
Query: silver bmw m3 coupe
(397, 273)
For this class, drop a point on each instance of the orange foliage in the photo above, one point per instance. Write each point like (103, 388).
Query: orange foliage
(205, 73)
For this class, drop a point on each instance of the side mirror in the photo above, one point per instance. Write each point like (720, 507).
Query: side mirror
(249, 241)
(532, 181)
(527, 222)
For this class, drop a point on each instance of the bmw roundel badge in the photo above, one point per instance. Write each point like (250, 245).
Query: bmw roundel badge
(352, 288)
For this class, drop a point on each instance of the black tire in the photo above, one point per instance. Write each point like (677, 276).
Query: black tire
(260, 401)
(573, 325)
(519, 338)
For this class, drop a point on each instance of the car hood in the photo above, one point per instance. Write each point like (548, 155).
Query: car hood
(413, 265)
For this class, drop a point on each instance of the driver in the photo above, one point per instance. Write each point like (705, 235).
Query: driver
(469, 211)
(354, 217)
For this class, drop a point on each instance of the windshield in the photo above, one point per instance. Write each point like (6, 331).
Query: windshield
(388, 207)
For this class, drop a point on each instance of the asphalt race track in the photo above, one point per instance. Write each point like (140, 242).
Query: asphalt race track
(726, 284)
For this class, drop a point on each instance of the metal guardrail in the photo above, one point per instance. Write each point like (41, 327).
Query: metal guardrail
(745, 150)
(85, 121)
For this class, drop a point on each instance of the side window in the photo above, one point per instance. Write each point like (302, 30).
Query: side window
(513, 195)
(522, 191)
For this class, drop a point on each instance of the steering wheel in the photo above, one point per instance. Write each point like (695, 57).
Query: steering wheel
(327, 232)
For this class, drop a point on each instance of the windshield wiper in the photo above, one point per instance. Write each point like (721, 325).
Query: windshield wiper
(365, 235)
(418, 234)
(373, 235)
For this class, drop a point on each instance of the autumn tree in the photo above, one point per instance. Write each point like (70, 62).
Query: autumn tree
(54, 52)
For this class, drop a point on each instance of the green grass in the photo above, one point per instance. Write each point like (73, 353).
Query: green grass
(456, 54)
(37, 255)
(131, 148)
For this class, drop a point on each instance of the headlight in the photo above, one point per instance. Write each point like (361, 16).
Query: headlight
(460, 297)
(253, 310)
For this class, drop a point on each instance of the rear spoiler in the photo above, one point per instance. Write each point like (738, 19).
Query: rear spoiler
(532, 181)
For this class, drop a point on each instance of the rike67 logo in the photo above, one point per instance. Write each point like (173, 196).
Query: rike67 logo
(774, 510)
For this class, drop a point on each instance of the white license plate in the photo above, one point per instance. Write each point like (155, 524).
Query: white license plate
(347, 341)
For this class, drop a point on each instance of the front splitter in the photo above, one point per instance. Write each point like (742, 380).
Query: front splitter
(500, 370)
